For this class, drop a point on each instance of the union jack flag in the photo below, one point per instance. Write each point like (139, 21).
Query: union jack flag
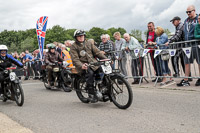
(41, 32)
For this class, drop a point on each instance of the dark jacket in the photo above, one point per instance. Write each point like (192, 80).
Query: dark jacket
(52, 57)
(59, 50)
(8, 60)
(189, 26)
(91, 52)
(179, 34)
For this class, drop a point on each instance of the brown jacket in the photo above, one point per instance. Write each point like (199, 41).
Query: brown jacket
(52, 57)
(92, 52)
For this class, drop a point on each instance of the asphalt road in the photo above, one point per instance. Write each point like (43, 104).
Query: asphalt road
(153, 111)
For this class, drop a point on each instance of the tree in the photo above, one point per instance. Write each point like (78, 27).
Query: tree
(57, 33)
(12, 48)
(137, 34)
(96, 32)
(145, 33)
(28, 43)
(112, 30)
(167, 31)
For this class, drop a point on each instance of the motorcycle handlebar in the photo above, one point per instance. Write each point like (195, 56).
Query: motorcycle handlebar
(96, 63)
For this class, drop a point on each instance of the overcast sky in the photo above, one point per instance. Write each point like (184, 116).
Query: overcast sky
(85, 14)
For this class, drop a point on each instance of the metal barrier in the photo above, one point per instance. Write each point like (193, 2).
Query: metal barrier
(33, 70)
(150, 64)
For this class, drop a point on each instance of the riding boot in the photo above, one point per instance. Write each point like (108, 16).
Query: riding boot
(92, 97)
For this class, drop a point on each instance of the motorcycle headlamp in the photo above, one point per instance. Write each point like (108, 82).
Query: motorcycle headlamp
(107, 63)
(56, 69)
(6, 71)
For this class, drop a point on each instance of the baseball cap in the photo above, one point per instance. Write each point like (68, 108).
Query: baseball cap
(175, 18)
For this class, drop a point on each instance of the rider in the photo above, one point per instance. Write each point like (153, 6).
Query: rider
(51, 57)
(6, 60)
(81, 62)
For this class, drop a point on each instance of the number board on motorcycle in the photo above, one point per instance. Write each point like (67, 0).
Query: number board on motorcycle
(12, 76)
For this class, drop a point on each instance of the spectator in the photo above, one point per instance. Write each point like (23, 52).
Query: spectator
(137, 62)
(197, 29)
(189, 26)
(160, 40)
(35, 65)
(59, 45)
(18, 72)
(108, 36)
(122, 59)
(68, 45)
(197, 36)
(27, 52)
(58, 49)
(106, 46)
(151, 38)
(27, 59)
(177, 37)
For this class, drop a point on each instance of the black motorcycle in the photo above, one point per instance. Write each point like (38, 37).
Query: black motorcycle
(109, 85)
(12, 89)
(61, 77)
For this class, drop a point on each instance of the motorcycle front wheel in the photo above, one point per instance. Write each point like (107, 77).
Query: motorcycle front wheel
(121, 94)
(81, 90)
(46, 84)
(18, 94)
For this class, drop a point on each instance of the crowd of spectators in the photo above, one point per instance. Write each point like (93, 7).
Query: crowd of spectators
(124, 48)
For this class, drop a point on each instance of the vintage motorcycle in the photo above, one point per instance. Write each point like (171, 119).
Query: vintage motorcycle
(106, 85)
(12, 89)
(61, 77)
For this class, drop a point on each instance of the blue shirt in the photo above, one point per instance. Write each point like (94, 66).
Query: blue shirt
(27, 56)
(161, 40)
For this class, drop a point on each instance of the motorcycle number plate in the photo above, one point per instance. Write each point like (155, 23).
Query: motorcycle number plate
(12, 76)
(106, 69)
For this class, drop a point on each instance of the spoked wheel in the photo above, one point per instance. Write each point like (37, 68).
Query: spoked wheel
(121, 94)
(81, 91)
(18, 94)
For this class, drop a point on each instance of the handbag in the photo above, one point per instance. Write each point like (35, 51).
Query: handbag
(165, 55)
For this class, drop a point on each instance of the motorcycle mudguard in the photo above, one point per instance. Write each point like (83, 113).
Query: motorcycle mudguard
(117, 74)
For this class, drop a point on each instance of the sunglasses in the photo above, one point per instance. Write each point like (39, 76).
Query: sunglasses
(3, 52)
(189, 11)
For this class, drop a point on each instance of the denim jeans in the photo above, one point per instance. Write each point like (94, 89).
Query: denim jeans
(165, 67)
